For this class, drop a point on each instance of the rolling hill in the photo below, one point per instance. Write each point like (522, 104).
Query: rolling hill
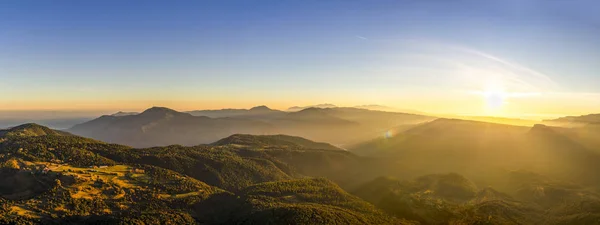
(448, 171)
(52, 177)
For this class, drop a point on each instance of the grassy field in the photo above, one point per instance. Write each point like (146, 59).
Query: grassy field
(88, 177)
(116, 175)
(22, 211)
(108, 183)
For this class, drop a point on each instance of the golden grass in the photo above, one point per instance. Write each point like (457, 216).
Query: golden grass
(116, 175)
(21, 211)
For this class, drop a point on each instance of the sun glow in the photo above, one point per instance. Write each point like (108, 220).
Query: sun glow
(495, 99)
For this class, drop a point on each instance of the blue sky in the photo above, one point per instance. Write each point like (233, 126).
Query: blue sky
(211, 54)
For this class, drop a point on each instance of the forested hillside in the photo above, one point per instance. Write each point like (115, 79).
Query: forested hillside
(442, 172)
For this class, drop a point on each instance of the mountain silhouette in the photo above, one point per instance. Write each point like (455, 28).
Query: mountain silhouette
(121, 113)
(257, 112)
(159, 126)
(321, 106)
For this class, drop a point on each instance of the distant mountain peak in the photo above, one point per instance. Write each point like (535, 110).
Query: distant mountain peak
(315, 109)
(322, 106)
(157, 109)
(375, 107)
(260, 108)
(121, 113)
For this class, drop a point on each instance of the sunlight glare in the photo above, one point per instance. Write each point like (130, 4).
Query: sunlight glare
(495, 99)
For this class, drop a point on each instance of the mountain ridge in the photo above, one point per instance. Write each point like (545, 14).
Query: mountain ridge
(160, 126)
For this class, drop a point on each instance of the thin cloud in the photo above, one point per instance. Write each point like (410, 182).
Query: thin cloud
(514, 66)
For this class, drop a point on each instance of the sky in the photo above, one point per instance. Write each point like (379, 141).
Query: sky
(515, 58)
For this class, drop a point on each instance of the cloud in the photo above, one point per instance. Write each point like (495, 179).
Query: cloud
(520, 73)
(469, 68)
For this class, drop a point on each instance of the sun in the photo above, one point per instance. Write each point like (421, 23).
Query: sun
(495, 99)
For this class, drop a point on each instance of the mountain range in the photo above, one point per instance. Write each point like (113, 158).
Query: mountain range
(320, 106)
(159, 126)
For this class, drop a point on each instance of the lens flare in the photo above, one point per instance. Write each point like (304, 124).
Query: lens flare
(388, 134)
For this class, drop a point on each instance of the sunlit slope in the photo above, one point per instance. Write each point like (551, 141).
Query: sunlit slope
(345, 126)
(482, 150)
(500, 120)
(585, 135)
(49, 177)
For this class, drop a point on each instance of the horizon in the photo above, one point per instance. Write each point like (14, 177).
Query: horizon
(58, 114)
(514, 59)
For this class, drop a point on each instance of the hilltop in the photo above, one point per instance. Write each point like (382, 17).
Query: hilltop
(29, 130)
